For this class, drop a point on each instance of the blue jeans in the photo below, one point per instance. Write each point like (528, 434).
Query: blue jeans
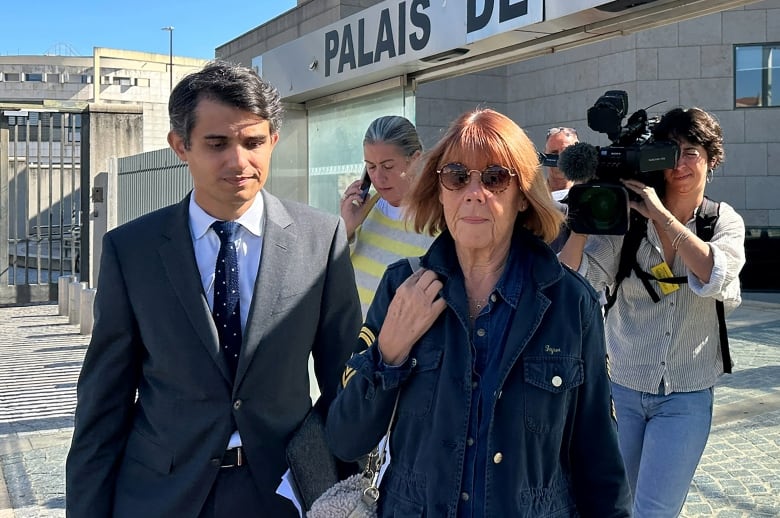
(661, 439)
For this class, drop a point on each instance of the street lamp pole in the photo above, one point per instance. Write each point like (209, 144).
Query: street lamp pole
(170, 54)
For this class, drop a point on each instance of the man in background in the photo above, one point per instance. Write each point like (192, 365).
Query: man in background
(559, 139)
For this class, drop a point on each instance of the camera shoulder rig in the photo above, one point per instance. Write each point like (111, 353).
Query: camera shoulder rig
(706, 217)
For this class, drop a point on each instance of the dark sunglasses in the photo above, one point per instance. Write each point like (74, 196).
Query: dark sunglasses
(494, 178)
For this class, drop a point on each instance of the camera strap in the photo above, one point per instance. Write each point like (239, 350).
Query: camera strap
(706, 217)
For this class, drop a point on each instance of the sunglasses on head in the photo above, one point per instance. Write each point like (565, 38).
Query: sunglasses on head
(565, 130)
(494, 178)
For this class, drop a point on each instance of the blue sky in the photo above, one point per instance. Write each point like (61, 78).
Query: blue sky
(74, 28)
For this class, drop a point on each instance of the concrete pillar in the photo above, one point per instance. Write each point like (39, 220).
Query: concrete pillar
(87, 317)
(107, 130)
(74, 304)
(62, 294)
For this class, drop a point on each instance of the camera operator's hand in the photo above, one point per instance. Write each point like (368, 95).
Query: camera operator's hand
(650, 205)
(571, 253)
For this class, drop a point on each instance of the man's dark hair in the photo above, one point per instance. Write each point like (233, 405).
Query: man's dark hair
(226, 83)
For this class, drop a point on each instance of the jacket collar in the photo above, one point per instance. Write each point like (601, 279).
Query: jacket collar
(544, 269)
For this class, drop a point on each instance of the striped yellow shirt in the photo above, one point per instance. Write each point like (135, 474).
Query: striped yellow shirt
(382, 239)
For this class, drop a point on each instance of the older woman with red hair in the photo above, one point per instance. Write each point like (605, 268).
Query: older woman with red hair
(496, 350)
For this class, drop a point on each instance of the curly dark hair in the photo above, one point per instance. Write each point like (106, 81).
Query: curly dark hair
(697, 127)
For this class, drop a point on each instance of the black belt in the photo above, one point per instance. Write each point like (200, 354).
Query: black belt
(233, 458)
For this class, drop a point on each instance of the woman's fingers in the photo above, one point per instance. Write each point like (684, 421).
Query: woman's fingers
(425, 283)
(351, 191)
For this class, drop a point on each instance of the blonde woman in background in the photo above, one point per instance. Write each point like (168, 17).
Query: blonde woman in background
(375, 227)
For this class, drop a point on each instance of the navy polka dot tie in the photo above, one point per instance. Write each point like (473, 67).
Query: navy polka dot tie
(227, 300)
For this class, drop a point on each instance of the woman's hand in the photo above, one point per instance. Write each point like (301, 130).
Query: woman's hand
(353, 208)
(650, 205)
(413, 310)
(572, 250)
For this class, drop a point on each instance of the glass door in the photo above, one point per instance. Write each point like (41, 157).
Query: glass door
(335, 141)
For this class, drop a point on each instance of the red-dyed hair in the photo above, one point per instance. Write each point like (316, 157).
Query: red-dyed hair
(495, 139)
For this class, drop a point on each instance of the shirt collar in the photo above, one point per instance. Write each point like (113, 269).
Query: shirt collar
(252, 220)
(530, 262)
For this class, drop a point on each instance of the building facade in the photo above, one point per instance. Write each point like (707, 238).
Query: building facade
(35, 84)
(62, 120)
(719, 60)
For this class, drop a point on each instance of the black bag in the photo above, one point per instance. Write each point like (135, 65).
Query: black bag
(313, 467)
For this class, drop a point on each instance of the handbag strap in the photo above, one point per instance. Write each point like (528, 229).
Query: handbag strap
(376, 459)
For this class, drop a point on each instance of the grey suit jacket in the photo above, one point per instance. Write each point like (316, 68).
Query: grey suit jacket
(155, 404)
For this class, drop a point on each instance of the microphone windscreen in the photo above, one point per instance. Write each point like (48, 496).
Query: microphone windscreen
(579, 162)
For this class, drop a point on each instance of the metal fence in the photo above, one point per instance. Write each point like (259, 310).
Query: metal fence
(40, 209)
(149, 181)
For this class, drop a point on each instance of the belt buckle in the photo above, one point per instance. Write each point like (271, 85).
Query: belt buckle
(239, 458)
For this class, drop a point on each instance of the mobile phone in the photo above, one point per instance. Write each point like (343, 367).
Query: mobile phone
(365, 185)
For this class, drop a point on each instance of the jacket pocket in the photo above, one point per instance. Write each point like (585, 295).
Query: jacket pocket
(418, 390)
(148, 453)
(549, 382)
(402, 494)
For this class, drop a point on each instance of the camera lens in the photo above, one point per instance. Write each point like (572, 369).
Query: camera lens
(602, 204)
(598, 208)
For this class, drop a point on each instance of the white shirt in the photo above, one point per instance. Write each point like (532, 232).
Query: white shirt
(675, 341)
(249, 245)
(560, 194)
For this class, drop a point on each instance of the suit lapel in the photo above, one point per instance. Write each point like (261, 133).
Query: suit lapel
(178, 259)
(278, 248)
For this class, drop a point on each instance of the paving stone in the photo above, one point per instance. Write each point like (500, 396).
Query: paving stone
(738, 476)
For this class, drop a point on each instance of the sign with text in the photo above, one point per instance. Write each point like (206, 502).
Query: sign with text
(380, 41)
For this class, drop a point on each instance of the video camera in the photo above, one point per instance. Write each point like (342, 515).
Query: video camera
(598, 202)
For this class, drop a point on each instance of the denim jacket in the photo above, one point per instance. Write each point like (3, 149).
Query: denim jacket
(552, 438)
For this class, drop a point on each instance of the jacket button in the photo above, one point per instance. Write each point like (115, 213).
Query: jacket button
(237, 404)
(464, 496)
(497, 458)
(556, 381)
(480, 332)
(470, 441)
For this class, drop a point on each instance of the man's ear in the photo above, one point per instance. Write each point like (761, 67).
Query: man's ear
(177, 144)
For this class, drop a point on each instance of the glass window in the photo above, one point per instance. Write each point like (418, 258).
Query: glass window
(36, 78)
(756, 67)
(335, 140)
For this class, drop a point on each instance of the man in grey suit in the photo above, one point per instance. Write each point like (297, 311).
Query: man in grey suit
(166, 424)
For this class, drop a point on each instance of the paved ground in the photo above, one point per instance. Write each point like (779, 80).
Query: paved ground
(40, 355)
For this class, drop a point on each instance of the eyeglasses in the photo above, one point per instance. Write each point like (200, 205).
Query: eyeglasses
(494, 178)
(690, 155)
(566, 131)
